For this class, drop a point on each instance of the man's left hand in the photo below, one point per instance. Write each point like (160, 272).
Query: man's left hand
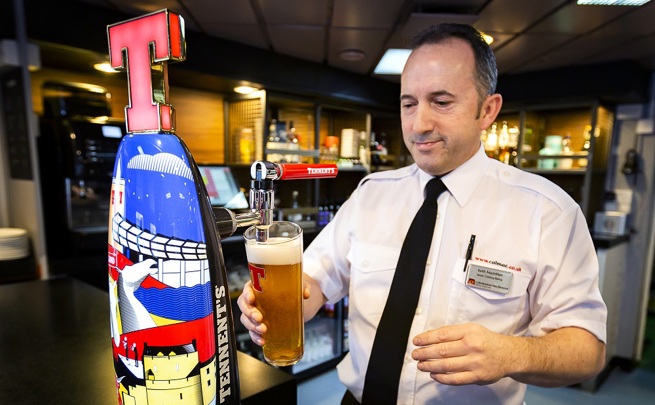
(464, 354)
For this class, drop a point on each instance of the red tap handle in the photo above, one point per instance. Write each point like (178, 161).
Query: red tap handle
(296, 171)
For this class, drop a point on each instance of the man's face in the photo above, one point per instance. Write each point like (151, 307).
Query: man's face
(440, 107)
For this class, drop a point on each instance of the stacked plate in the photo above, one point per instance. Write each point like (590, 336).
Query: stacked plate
(14, 244)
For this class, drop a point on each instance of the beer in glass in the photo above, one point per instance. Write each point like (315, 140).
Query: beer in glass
(275, 266)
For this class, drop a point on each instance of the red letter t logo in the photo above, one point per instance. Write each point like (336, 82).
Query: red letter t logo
(256, 273)
(142, 46)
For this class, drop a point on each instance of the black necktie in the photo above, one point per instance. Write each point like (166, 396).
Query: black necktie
(390, 344)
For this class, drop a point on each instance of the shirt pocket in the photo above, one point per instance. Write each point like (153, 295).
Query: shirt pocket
(502, 313)
(372, 270)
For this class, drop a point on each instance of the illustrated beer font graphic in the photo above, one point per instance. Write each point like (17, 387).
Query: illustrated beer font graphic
(172, 329)
(171, 322)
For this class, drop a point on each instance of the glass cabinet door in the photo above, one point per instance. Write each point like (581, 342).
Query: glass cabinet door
(557, 139)
(568, 144)
(244, 128)
(344, 137)
(290, 131)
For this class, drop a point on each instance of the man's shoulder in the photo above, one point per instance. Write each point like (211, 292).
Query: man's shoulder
(391, 175)
(532, 183)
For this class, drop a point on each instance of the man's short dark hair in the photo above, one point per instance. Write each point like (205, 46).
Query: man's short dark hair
(486, 71)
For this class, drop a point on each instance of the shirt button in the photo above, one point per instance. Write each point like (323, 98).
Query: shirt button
(419, 310)
(506, 173)
(365, 263)
(408, 358)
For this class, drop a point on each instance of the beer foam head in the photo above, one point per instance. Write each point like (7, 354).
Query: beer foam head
(274, 251)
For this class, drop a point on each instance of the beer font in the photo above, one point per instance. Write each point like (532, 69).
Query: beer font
(172, 329)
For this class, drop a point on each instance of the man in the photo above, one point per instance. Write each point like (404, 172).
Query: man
(467, 344)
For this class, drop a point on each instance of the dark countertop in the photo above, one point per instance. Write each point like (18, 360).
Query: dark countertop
(55, 349)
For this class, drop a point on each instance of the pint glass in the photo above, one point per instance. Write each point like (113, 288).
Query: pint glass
(276, 273)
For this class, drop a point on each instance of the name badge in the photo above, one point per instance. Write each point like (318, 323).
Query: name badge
(487, 278)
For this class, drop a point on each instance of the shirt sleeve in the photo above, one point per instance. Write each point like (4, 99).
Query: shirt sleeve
(326, 258)
(566, 292)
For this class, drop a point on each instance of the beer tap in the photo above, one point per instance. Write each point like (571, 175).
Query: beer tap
(262, 195)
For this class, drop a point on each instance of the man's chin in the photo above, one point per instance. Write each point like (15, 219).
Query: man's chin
(429, 166)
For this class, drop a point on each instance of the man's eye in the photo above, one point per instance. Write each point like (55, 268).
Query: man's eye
(442, 103)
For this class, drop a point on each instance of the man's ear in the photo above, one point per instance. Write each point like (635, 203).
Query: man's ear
(490, 109)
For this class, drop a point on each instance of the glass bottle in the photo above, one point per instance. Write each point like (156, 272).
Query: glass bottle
(566, 150)
(272, 132)
(374, 148)
(273, 142)
(566, 144)
(363, 149)
(586, 146)
(513, 145)
(491, 145)
(293, 143)
(587, 138)
(503, 144)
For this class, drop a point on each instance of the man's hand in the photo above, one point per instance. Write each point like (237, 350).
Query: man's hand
(472, 354)
(252, 318)
(463, 354)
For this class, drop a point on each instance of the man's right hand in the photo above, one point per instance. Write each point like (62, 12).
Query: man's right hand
(251, 318)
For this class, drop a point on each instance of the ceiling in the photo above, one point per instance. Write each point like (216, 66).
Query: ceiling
(528, 35)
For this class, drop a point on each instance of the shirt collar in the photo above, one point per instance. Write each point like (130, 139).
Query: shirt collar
(462, 181)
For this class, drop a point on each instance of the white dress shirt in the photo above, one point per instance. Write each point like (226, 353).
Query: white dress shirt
(523, 224)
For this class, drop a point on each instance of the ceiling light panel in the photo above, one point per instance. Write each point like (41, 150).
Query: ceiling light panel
(612, 2)
(392, 62)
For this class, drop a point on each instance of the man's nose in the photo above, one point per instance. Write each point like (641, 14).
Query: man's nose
(423, 119)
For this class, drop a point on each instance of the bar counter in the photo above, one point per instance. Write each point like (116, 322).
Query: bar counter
(55, 349)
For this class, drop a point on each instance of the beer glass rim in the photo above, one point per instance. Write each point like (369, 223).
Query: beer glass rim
(278, 240)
